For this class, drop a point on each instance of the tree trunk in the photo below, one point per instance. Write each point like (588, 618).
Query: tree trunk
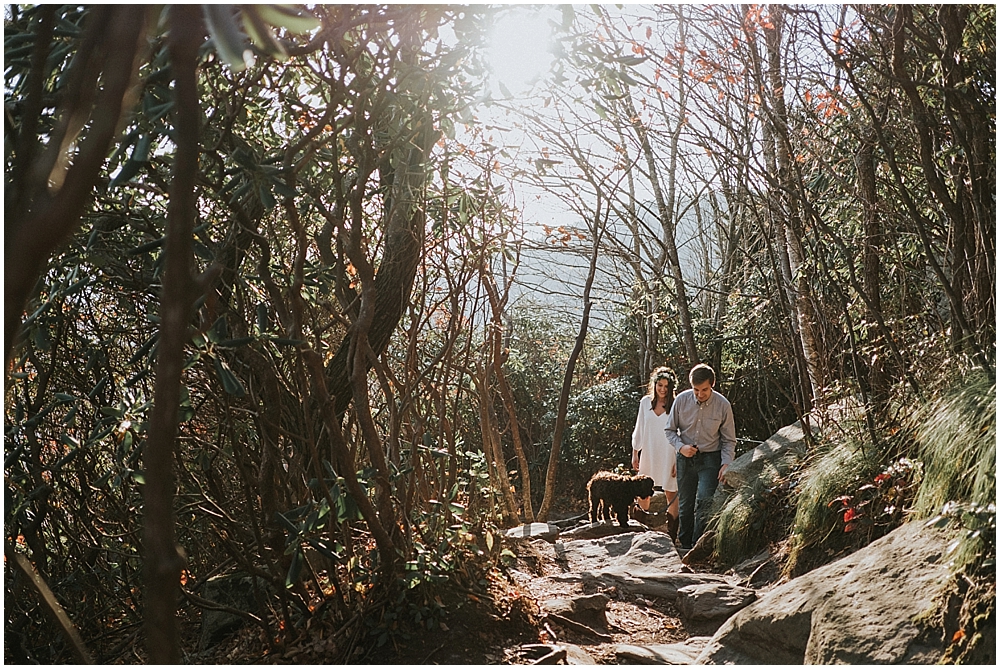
(789, 212)
(506, 395)
(567, 384)
(491, 443)
(871, 252)
(163, 558)
(665, 210)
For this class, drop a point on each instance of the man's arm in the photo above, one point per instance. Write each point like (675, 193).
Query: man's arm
(673, 437)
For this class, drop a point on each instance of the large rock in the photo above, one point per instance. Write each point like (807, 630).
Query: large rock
(642, 555)
(663, 653)
(870, 607)
(602, 529)
(788, 441)
(646, 563)
(710, 601)
(233, 590)
(534, 531)
(587, 609)
(577, 655)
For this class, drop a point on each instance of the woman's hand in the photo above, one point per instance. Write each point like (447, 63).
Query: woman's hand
(635, 460)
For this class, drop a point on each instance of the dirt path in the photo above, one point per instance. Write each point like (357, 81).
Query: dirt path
(631, 619)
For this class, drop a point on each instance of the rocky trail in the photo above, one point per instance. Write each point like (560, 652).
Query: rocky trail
(608, 595)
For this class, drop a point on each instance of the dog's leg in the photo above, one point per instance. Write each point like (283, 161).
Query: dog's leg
(622, 513)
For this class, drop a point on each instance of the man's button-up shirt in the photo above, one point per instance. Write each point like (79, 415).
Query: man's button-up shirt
(708, 425)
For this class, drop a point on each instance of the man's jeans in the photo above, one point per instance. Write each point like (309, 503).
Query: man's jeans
(697, 479)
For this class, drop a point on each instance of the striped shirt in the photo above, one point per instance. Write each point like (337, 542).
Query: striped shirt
(708, 425)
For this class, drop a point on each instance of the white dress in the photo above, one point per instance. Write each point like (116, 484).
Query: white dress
(657, 457)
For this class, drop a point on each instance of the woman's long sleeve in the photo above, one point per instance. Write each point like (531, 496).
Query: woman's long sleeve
(640, 424)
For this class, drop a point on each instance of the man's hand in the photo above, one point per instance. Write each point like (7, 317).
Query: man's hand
(687, 450)
(722, 471)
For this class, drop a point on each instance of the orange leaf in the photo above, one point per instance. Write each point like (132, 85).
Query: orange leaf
(958, 636)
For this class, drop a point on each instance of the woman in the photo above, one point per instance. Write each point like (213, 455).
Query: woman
(652, 454)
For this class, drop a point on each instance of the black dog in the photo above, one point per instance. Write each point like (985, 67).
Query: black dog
(617, 493)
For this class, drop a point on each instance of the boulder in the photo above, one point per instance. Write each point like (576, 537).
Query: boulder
(643, 564)
(663, 653)
(874, 606)
(234, 591)
(587, 609)
(572, 521)
(657, 503)
(602, 529)
(788, 441)
(542, 531)
(709, 601)
(666, 585)
(642, 555)
(577, 655)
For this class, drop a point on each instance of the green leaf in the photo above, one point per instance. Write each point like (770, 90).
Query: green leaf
(283, 189)
(289, 17)
(263, 324)
(266, 197)
(230, 383)
(125, 174)
(294, 569)
(260, 33)
(229, 42)
(236, 343)
(140, 153)
(632, 61)
(156, 112)
(280, 517)
(322, 548)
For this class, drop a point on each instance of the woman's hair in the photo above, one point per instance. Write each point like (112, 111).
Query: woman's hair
(658, 375)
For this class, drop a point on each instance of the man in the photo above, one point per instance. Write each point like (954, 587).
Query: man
(702, 431)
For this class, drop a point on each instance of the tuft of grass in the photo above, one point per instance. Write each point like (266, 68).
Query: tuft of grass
(734, 535)
(835, 469)
(957, 439)
(757, 513)
(957, 442)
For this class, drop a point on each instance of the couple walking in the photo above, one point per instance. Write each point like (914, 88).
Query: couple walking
(684, 443)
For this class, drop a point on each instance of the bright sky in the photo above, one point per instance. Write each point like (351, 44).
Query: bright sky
(518, 49)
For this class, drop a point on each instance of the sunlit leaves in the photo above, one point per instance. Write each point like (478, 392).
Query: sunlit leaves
(230, 27)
